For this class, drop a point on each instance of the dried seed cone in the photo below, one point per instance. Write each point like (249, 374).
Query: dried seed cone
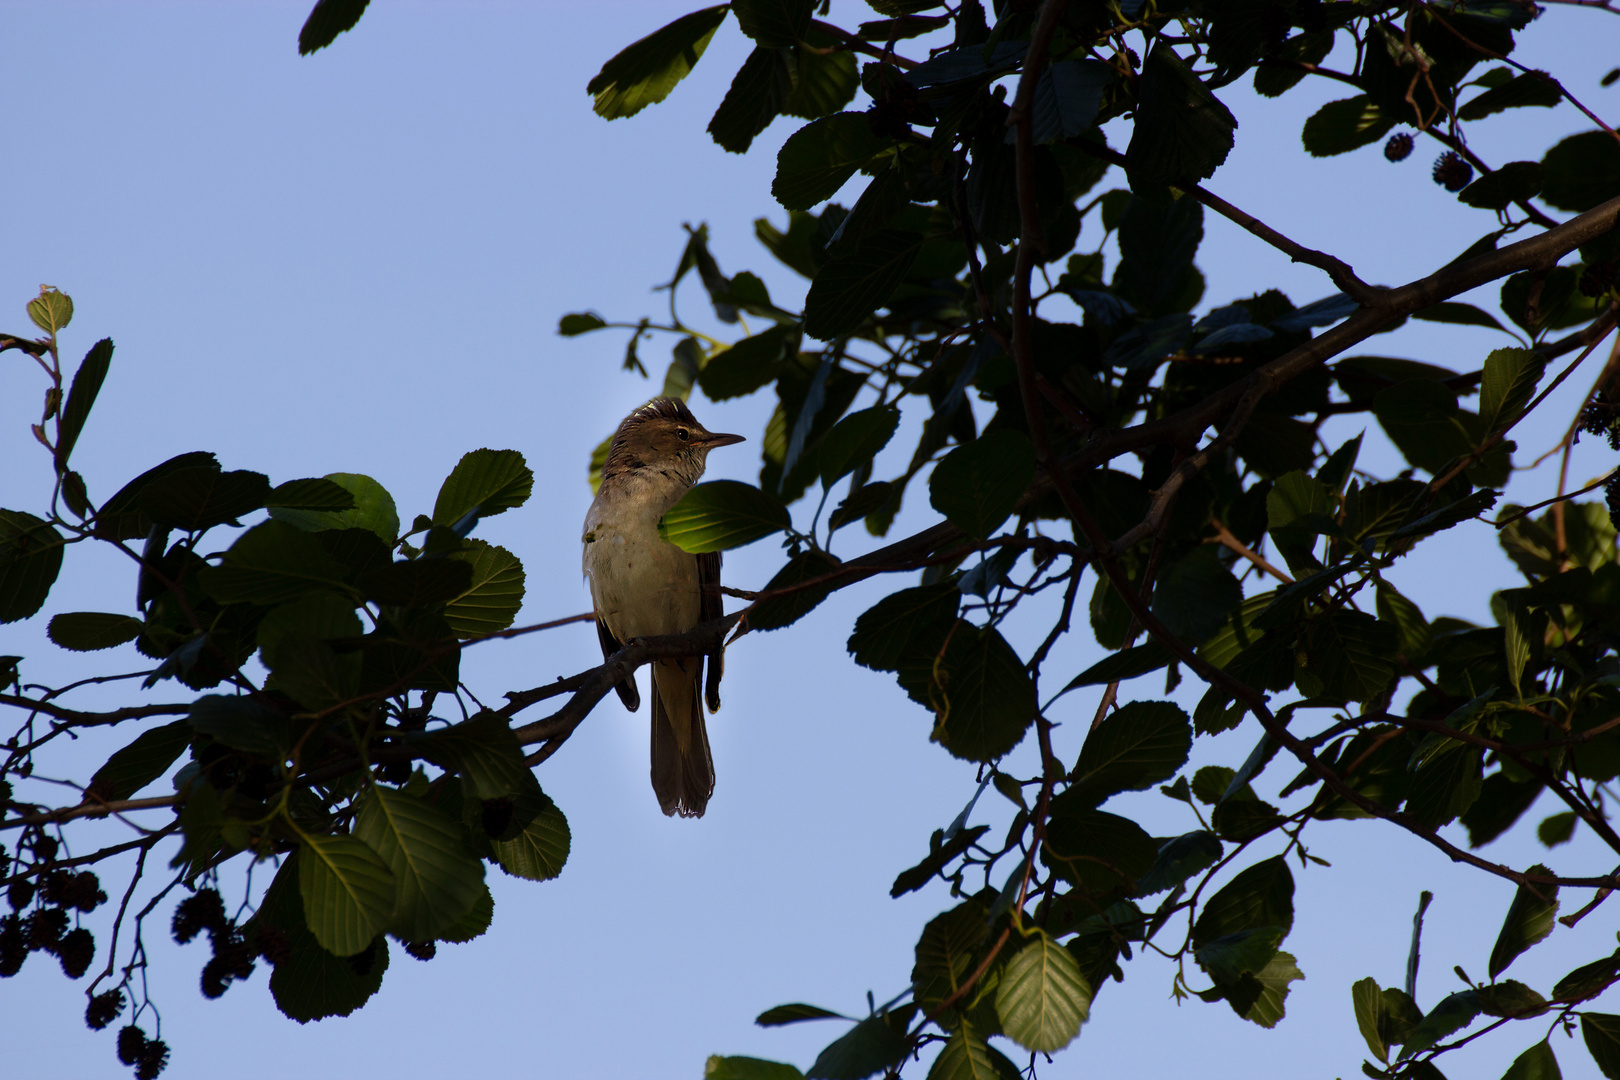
(131, 1041)
(76, 950)
(154, 1059)
(104, 1009)
(13, 946)
(1399, 147)
(1452, 172)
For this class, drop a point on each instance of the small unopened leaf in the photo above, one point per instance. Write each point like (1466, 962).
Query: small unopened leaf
(794, 1013)
(580, 322)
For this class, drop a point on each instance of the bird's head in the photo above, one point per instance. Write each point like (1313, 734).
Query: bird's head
(663, 434)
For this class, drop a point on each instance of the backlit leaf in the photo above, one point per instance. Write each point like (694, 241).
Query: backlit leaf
(720, 515)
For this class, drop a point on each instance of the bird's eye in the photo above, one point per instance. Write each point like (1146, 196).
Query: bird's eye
(682, 434)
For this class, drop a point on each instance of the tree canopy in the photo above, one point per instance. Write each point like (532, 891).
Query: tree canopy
(1102, 461)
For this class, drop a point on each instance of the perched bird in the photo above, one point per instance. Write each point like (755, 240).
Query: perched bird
(642, 586)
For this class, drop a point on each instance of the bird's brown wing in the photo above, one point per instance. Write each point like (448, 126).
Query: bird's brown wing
(711, 605)
(610, 645)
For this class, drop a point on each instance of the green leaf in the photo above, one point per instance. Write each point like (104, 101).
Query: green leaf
(119, 517)
(240, 723)
(141, 762)
(437, 880)
(1349, 655)
(326, 21)
(484, 752)
(82, 395)
(1455, 1012)
(867, 1048)
(864, 501)
(1458, 314)
(272, 563)
(1581, 172)
(87, 631)
(312, 673)
(1509, 380)
(1157, 243)
(1182, 133)
(1195, 594)
(1259, 997)
(476, 924)
(1510, 183)
(1511, 998)
(51, 310)
(540, 848)
(757, 94)
(1259, 895)
(644, 73)
(1137, 746)
(30, 559)
(1368, 1000)
(315, 493)
(1536, 1063)
(747, 1068)
(1529, 919)
(311, 983)
(775, 24)
(1601, 1032)
(1101, 852)
(373, 510)
(580, 322)
(851, 287)
(977, 485)
(1227, 959)
(1531, 88)
(750, 364)
(200, 498)
(1042, 999)
(1412, 629)
(488, 481)
(1295, 499)
(1179, 859)
(1341, 126)
(795, 1013)
(968, 1057)
(884, 633)
(1067, 97)
(1588, 980)
(820, 157)
(1117, 667)
(492, 601)
(824, 82)
(347, 889)
(773, 613)
(720, 515)
(947, 953)
(422, 582)
(855, 440)
(988, 701)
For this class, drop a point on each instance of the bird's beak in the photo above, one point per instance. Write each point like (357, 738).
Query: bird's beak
(712, 440)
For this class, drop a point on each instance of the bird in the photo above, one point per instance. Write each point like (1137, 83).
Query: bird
(642, 585)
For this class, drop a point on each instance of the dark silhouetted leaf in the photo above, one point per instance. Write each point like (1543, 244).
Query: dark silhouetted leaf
(1139, 745)
(87, 631)
(817, 159)
(1341, 126)
(141, 762)
(1529, 919)
(978, 485)
(326, 21)
(851, 287)
(199, 498)
(30, 559)
(487, 481)
(82, 395)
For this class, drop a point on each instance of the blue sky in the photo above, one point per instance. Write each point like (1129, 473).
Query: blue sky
(356, 261)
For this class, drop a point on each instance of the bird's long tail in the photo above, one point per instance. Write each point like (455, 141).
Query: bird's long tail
(682, 767)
